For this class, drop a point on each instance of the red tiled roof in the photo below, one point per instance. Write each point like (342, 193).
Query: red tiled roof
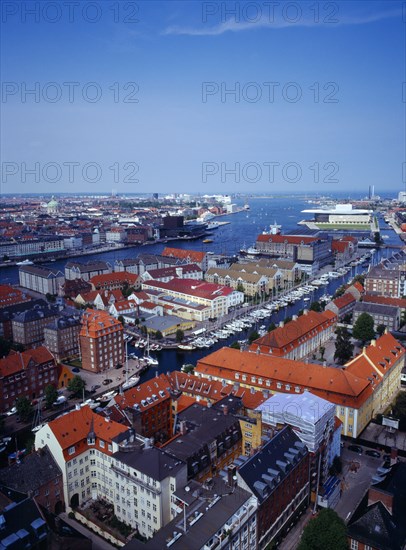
(10, 296)
(290, 239)
(344, 300)
(398, 302)
(339, 246)
(118, 277)
(146, 395)
(172, 271)
(191, 287)
(94, 322)
(182, 254)
(16, 361)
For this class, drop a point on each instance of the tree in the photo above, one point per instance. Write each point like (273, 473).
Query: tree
(253, 336)
(316, 306)
(159, 335)
(179, 335)
(364, 328)
(121, 319)
(51, 395)
(271, 327)
(344, 346)
(240, 287)
(76, 385)
(336, 467)
(322, 350)
(326, 530)
(24, 408)
(399, 410)
(235, 345)
(380, 329)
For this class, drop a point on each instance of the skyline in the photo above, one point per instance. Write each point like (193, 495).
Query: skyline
(140, 100)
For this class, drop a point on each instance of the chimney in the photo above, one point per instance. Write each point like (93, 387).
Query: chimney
(373, 343)
(305, 311)
(182, 427)
(281, 324)
(294, 317)
(231, 473)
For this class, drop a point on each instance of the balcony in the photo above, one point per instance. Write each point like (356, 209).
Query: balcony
(136, 480)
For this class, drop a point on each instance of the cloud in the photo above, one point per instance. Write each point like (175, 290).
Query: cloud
(234, 25)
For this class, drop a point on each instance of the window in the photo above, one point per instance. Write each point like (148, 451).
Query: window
(354, 544)
(101, 443)
(71, 450)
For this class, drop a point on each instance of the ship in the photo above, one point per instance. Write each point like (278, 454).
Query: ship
(25, 262)
(206, 241)
(246, 206)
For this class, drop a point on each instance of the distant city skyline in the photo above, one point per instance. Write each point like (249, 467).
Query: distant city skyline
(165, 97)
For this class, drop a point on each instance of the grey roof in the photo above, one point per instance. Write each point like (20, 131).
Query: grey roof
(63, 323)
(216, 504)
(41, 271)
(380, 309)
(7, 313)
(36, 470)
(163, 322)
(153, 462)
(89, 266)
(379, 272)
(23, 525)
(204, 425)
(264, 471)
(35, 313)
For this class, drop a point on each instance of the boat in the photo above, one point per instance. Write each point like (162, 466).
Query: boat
(150, 360)
(107, 396)
(207, 241)
(186, 347)
(132, 381)
(25, 262)
(246, 206)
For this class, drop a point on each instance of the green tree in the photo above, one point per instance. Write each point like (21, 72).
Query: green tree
(76, 385)
(380, 329)
(271, 327)
(359, 279)
(240, 287)
(121, 319)
(399, 410)
(316, 306)
(322, 351)
(24, 408)
(235, 345)
(326, 530)
(347, 318)
(344, 346)
(51, 395)
(253, 336)
(364, 328)
(158, 335)
(179, 335)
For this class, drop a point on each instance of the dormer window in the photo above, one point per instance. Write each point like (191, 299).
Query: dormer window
(91, 440)
(71, 450)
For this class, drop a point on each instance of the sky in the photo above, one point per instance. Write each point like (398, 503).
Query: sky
(191, 96)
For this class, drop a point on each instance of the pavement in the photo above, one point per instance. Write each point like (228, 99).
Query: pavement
(98, 543)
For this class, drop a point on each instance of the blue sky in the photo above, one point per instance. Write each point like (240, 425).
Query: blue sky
(313, 90)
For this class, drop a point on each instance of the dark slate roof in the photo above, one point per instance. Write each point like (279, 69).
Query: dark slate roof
(266, 469)
(41, 271)
(8, 313)
(36, 470)
(64, 322)
(380, 309)
(35, 313)
(203, 425)
(373, 524)
(23, 523)
(87, 267)
(152, 462)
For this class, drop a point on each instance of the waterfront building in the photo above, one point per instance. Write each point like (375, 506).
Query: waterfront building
(258, 281)
(188, 256)
(85, 271)
(299, 337)
(385, 282)
(165, 274)
(26, 374)
(341, 214)
(342, 306)
(17, 249)
(101, 341)
(41, 279)
(114, 281)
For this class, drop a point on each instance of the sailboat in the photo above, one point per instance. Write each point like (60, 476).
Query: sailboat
(133, 380)
(150, 360)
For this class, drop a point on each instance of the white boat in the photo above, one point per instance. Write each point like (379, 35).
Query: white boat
(186, 347)
(132, 381)
(25, 262)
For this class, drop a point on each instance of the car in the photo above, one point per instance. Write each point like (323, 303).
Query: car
(371, 452)
(95, 387)
(355, 449)
(11, 411)
(75, 369)
(107, 381)
(119, 366)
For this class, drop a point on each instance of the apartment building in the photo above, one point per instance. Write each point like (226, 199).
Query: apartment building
(388, 316)
(384, 282)
(28, 327)
(204, 300)
(164, 274)
(101, 341)
(31, 247)
(85, 271)
(342, 306)
(187, 256)
(100, 458)
(115, 280)
(278, 476)
(299, 337)
(41, 279)
(249, 283)
(364, 387)
(61, 337)
(26, 374)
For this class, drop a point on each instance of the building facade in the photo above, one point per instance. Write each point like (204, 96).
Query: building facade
(41, 279)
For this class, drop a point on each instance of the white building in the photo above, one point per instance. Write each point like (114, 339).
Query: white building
(41, 279)
(101, 458)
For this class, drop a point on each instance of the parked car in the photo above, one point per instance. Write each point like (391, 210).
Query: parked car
(107, 381)
(355, 449)
(375, 454)
(75, 369)
(11, 411)
(95, 387)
